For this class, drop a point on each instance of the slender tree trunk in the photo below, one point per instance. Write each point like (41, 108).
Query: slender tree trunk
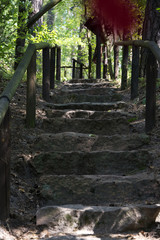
(36, 6)
(21, 33)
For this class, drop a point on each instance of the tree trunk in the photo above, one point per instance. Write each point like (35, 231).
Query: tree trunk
(151, 29)
(36, 6)
(21, 33)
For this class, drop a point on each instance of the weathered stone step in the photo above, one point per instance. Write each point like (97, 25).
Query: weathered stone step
(97, 220)
(102, 127)
(76, 98)
(89, 91)
(90, 163)
(89, 106)
(88, 114)
(71, 141)
(99, 189)
(88, 81)
(71, 236)
(85, 85)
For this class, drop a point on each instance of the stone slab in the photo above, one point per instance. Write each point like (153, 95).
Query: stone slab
(72, 141)
(98, 219)
(76, 98)
(90, 106)
(99, 189)
(87, 126)
(89, 163)
(86, 85)
(88, 114)
(88, 81)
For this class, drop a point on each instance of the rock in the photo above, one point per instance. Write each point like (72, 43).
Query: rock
(72, 141)
(88, 114)
(102, 127)
(95, 162)
(99, 189)
(90, 106)
(97, 219)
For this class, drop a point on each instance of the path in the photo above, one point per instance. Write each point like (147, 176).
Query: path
(93, 166)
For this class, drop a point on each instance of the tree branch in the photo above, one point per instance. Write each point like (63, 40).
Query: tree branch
(43, 10)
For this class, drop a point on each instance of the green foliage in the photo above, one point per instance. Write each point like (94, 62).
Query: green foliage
(43, 34)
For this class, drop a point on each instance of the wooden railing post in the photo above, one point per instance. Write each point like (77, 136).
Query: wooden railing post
(46, 75)
(5, 167)
(116, 61)
(58, 74)
(98, 64)
(81, 71)
(124, 67)
(90, 61)
(105, 62)
(31, 93)
(151, 76)
(52, 67)
(135, 72)
(74, 68)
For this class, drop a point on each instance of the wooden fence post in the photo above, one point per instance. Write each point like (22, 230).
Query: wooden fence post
(81, 71)
(5, 167)
(105, 62)
(116, 61)
(58, 74)
(135, 72)
(124, 67)
(46, 75)
(90, 61)
(52, 67)
(74, 68)
(151, 76)
(31, 93)
(98, 64)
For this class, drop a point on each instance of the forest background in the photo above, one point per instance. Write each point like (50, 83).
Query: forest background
(62, 25)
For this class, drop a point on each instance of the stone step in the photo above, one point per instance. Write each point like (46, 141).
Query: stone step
(97, 220)
(88, 114)
(99, 189)
(71, 236)
(100, 126)
(89, 91)
(90, 163)
(89, 106)
(76, 98)
(86, 85)
(71, 141)
(88, 81)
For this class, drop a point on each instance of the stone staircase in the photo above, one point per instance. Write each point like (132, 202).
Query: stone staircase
(93, 166)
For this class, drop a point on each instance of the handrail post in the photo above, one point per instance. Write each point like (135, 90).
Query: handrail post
(5, 167)
(124, 67)
(151, 76)
(98, 64)
(116, 61)
(52, 67)
(46, 74)
(105, 63)
(135, 72)
(90, 61)
(31, 93)
(58, 74)
(74, 68)
(81, 71)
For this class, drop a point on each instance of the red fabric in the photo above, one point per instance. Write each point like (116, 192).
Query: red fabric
(117, 13)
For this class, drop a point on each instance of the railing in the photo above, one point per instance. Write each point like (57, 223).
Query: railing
(28, 63)
(151, 76)
(76, 67)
